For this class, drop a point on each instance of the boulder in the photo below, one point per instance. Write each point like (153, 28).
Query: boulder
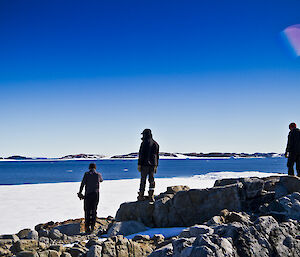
(44, 253)
(236, 217)
(180, 244)
(199, 205)
(66, 254)
(158, 239)
(284, 208)
(287, 185)
(55, 234)
(4, 252)
(53, 253)
(216, 220)
(265, 225)
(126, 228)
(185, 208)
(176, 189)
(94, 251)
(284, 239)
(76, 251)
(93, 241)
(12, 237)
(70, 229)
(25, 245)
(43, 233)
(253, 187)
(44, 240)
(195, 231)
(140, 211)
(166, 250)
(141, 238)
(27, 254)
(58, 248)
(28, 233)
(23, 234)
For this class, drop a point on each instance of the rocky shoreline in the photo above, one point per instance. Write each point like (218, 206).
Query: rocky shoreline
(236, 217)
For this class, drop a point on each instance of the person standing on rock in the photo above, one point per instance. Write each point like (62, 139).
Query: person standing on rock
(293, 150)
(91, 181)
(147, 164)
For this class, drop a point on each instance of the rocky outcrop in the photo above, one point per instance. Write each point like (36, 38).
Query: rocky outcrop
(186, 207)
(237, 217)
(263, 237)
(182, 208)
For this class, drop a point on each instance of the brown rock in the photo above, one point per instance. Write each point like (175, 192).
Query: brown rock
(27, 254)
(25, 245)
(53, 253)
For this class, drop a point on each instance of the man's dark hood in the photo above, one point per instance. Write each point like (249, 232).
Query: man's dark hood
(146, 134)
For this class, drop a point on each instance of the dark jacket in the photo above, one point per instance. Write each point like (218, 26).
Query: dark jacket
(91, 180)
(293, 144)
(148, 154)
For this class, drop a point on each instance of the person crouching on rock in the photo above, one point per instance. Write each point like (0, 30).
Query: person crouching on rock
(91, 181)
(292, 151)
(147, 164)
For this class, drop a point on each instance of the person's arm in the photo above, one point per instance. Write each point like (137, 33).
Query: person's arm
(100, 178)
(83, 183)
(157, 157)
(139, 167)
(288, 146)
(157, 153)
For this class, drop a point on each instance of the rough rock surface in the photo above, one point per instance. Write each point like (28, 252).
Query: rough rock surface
(176, 208)
(243, 217)
(263, 237)
(182, 208)
(126, 228)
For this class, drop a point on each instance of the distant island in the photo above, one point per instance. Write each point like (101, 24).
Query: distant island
(163, 155)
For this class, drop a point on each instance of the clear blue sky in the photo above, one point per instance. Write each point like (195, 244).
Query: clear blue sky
(89, 76)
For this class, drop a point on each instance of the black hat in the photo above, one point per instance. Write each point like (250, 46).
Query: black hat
(146, 132)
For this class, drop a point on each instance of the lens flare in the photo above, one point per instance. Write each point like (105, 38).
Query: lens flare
(292, 36)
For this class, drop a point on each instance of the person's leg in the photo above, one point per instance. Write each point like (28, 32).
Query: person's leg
(151, 183)
(290, 164)
(86, 214)
(298, 165)
(144, 173)
(89, 209)
(94, 210)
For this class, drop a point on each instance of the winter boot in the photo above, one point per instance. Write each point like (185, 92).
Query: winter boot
(151, 196)
(141, 196)
(87, 229)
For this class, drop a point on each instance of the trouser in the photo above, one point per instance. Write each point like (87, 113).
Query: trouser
(91, 201)
(147, 171)
(293, 158)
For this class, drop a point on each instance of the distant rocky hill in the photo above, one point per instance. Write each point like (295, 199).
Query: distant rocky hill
(82, 156)
(235, 155)
(18, 157)
(205, 155)
(161, 154)
(135, 155)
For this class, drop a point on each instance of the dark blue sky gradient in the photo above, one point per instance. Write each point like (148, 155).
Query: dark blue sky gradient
(87, 39)
(75, 76)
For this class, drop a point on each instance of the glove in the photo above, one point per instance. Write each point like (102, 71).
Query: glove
(155, 169)
(139, 168)
(80, 196)
(286, 155)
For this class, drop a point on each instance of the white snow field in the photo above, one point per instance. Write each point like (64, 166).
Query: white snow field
(24, 206)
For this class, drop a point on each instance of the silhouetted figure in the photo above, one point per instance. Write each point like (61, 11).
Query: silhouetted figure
(147, 164)
(293, 150)
(91, 181)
